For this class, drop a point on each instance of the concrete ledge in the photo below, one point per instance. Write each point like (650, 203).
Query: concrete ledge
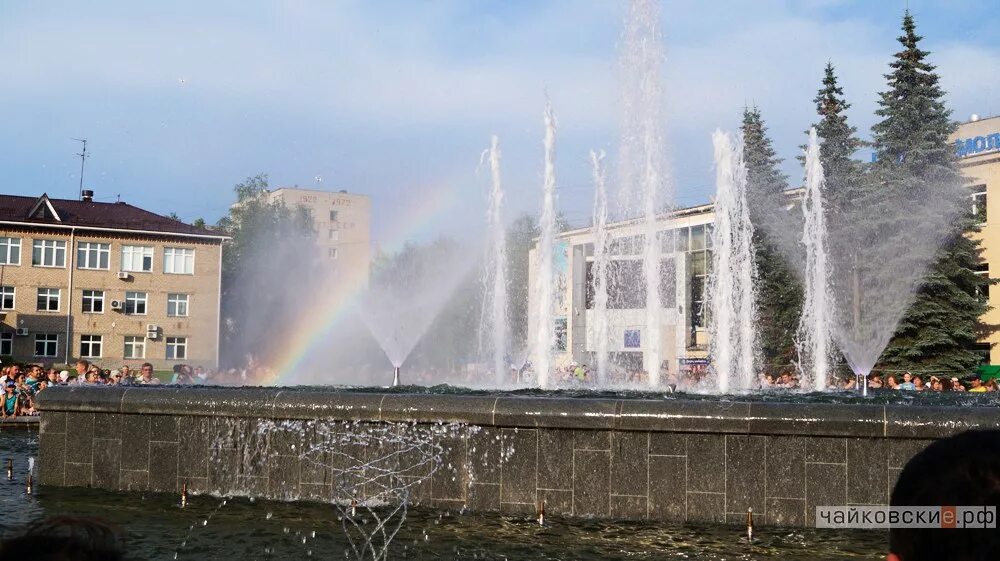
(690, 460)
(669, 415)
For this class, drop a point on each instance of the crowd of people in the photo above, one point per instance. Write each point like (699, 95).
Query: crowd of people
(21, 383)
(907, 381)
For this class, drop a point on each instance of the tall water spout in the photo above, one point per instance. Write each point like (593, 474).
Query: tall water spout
(731, 295)
(544, 325)
(814, 333)
(643, 155)
(495, 274)
(599, 280)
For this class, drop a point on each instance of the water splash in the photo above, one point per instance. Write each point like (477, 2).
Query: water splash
(494, 316)
(642, 160)
(396, 318)
(731, 295)
(543, 289)
(814, 338)
(599, 280)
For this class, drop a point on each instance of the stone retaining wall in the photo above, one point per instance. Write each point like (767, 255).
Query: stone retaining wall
(631, 459)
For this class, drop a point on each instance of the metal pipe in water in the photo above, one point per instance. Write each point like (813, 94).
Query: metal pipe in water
(184, 495)
(10, 470)
(29, 487)
(750, 524)
(395, 376)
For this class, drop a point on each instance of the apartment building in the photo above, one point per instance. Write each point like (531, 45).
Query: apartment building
(343, 226)
(108, 282)
(977, 145)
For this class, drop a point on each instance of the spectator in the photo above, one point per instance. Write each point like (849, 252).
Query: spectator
(977, 384)
(960, 470)
(82, 366)
(146, 375)
(918, 384)
(891, 383)
(11, 406)
(907, 382)
(66, 539)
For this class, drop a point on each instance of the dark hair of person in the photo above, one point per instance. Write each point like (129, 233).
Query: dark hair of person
(65, 538)
(962, 470)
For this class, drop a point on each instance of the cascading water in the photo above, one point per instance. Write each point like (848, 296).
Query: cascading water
(643, 155)
(494, 316)
(731, 295)
(814, 334)
(599, 281)
(544, 322)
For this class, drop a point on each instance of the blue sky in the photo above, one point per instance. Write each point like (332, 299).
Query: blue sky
(180, 100)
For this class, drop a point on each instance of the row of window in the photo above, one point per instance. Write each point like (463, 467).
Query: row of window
(92, 302)
(97, 256)
(92, 346)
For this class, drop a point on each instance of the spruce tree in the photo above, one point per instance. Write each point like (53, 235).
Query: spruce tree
(838, 144)
(845, 181)
(779, 294)
(939, 329)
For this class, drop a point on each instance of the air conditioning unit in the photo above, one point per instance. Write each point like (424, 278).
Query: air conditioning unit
(153, 334)
(22, 331)
(117, 305)
(152, 327)
(123, 275)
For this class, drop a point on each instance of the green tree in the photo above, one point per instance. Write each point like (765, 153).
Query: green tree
(266, 268)
(779, 293)
(939, 329)
(199, 223)
(838, 144)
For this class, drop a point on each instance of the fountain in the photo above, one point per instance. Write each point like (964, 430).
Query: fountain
(731, 296)
(542, 282)
(494, 314)
(813, 342)
(397, 319)
(642, 155)
(599, 282)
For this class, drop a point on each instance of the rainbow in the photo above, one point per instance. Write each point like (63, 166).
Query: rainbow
(431, 203)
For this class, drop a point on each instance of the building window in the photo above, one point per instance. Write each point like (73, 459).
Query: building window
(979, 202)
(90, 255)
(46, 344)
(48, 253)
(633, 339)
(135, 346)
(135, 303)
(137, 258)
(333, 253)
(6, 344)
(93, 301)
(177, 305)
(983, 290)
(334, 234)
(562, 340)
(90, 346)
(178, 261)
(10, 251)
(334, 215)
(6, 298)
(48, 299)
(177, 348)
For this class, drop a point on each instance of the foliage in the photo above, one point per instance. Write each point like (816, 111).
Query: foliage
(779, 293)
(939, 330)
(266, 268)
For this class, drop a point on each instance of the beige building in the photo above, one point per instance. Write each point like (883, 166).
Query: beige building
(685, 241)
(108, 282)
(343, 226)
(977, 144)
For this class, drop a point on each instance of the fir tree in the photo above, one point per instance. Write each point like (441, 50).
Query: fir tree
(838, 144)
(779, 294)
(939, 329)
(845, 181)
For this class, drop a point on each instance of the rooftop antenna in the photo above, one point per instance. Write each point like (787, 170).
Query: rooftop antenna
(83, 160)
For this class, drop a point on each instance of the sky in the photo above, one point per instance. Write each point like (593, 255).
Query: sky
(397, 100)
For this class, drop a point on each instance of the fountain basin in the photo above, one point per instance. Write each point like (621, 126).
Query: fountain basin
(613, 458)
